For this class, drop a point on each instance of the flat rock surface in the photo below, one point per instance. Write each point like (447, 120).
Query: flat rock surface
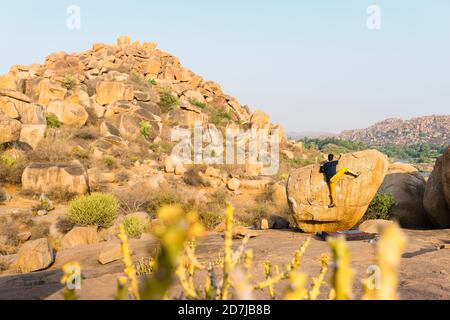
(424, 274)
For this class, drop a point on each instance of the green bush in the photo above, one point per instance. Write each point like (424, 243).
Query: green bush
(380, 207)
(219, 116)
(210, 219)
(145, 129)
(160, 199)
(151, 82)
(133, 226)
(109, 162)
(7, 161)
(53, 121)
(97, 209)
(198, 104)
(168, 101)
(70, 82)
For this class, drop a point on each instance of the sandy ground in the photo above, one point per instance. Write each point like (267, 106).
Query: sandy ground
(424, 274)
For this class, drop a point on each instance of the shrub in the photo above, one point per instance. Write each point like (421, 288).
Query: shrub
(40, 230)
(12, 174)
(7, 161)
(53, 121)
(145, 129)
(266, 196)
(168, 101)
(218, 199)
(9, 230)
(62, 195)
(210, 219)
(86, 133)
(133, 227)
(70, 82)
(152, 82)
(160, 148)
(109, 162)
(162, 198)
(97, 209)
(194, 178)
(198, 104)
(144, 267)
(64, 225)
(380, 207)
(122, 177)
(52, 149)
(133, 200)
(219, 116)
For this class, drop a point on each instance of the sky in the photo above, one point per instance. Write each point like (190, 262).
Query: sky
(311, 65)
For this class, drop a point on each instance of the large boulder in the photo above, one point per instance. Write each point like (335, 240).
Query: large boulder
(446, 175)
(33, 134)
(112, 91)
(79, 236)
(9, 129)
(309, 196)
(436, 204)
(50, 90)
(407, 186)
(69, 111)
(34, 256)
(48, 177)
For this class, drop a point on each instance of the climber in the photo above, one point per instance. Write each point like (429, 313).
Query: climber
(332, 176)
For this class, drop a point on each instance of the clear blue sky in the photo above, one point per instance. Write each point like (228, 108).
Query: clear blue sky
(312, 65)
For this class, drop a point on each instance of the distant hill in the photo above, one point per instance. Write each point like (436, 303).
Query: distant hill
(433, 129)
(309, 134)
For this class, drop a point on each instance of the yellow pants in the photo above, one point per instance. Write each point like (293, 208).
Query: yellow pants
(333, 182)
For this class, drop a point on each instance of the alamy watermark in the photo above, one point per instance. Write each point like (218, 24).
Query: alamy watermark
(374, 19)
(73, 21)
(206, 144)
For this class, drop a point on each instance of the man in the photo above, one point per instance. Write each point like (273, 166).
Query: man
(332, 176)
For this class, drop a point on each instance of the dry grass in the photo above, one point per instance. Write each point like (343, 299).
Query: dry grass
(64, 225)
(12, 174)
(52, 150)
(40, 230)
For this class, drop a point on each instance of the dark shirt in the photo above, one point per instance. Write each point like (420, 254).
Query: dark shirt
(329, 169)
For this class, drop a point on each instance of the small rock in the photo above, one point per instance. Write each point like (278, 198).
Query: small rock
(42, 213)
(288, 154)
(212, 172)
(169, 166)
(34, 256)
(7, 261)
(24, 236)
(241, 232)
(180, 170)
(233, 184)
(263, 224)
(146, 237)
(374, 226)
(110, 253)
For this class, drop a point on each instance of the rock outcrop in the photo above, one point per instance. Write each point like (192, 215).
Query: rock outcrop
(430, 129)
(46, 178)
(437, 196)
(308, 193)
(407, 186)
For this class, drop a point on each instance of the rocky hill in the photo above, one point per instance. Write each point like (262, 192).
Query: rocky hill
(431, 129)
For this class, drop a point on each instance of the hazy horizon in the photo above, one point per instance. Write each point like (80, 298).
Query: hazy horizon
(312, 66)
